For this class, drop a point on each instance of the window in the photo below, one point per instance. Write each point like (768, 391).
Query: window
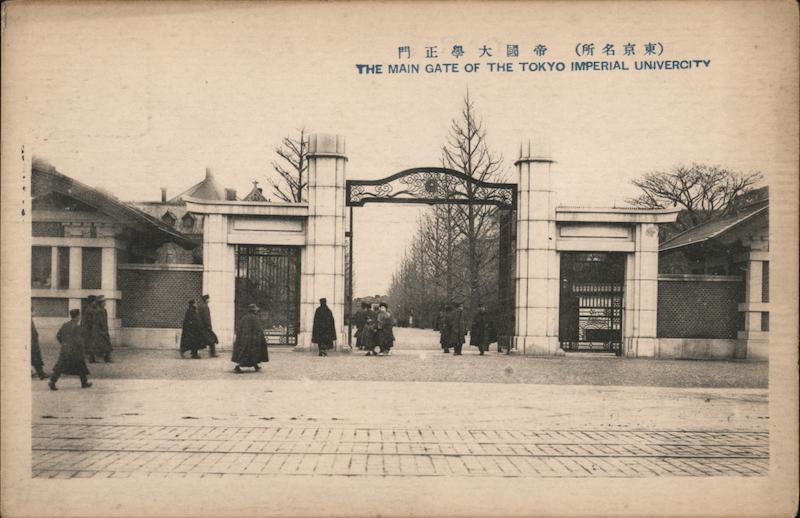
(63, 268)
(188, 222)
(41, 267)
(765, 321)
(91, 278)
(169, 218)
(765, 281)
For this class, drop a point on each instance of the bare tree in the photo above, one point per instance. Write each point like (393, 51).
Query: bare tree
(703, 192)
(292, 178)
(466, 150)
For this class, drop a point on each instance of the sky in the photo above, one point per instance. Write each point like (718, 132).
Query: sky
(136, 97)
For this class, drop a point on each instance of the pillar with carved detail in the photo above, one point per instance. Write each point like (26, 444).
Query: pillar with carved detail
(322, 261)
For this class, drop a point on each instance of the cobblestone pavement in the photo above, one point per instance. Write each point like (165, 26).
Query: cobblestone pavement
(91, 450)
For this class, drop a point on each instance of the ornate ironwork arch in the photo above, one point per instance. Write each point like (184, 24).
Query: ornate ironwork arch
(431, 186)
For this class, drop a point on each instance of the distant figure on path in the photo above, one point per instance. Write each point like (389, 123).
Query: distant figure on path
(324, 331)
(443, 323)
(71, 357)
(457, 329)
(36, 352)
(482, 333)
(204, 313)
(250, 345)
(360, 320)
(385, 323)
(193, 336)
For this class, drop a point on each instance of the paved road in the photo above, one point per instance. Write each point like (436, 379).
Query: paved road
(418, 358)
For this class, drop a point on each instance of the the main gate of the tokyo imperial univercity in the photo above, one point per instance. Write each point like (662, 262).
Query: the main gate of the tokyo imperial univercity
(438, 186)
(598, 265)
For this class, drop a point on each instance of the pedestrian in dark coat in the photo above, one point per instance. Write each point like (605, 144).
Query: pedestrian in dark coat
(36, 352)
(457, 329)
(193, 335)
(360, 320)
(323, 332)
(71, 357)
(384, 326)
(442, 324)
(204, 314)
(95, 324)
(250, 346)
(482, 332)
(370, 332)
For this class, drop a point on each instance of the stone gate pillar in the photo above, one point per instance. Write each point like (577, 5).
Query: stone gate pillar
(322, 262)
(537, 275)
(219, 277)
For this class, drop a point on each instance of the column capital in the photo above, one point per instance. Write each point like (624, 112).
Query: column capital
(535, 150)
(324, 145)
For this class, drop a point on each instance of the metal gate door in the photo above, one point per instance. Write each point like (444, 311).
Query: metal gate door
(269, 276)
(590, 307)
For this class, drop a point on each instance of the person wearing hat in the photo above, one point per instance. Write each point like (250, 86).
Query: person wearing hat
(384, 325)
(250, 345)
(71, 357)
(323, 332)
(98, 341)
(360, 320)
(205, 323)
(192, 333)
(457, 330)
(482, 332)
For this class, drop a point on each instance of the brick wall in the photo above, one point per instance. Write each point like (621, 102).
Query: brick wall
(698, 306)
(156, 297)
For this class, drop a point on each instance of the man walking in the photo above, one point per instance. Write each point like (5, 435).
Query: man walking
(36, 352)
(95, 322)
(324, 331)
(482, 331)
(443, 324)
(71, 357)
(360, 320)
(193, 336)
(250, 345)
(385, 323)
(204, 314)
(457, 329)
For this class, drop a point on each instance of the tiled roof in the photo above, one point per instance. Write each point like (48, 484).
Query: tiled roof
(715, 228)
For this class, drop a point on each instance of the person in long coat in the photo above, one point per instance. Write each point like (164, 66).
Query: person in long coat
(457, 329)
(443, 324)
(95, 324)
(193, 335)
(36, 352)
(360, 320)
(370, 332)
(71, 357)
(385, 324)
(250, 346)
(482, 332)
(204, 313)
(324, 331)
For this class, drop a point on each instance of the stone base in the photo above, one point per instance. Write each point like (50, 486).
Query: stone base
(757, 349)
(641, 347)
(701, 349)
(538, 345)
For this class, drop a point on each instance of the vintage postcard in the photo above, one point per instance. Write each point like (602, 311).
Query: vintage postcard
(399, 258)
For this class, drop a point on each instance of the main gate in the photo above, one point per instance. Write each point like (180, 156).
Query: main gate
(590, 308)
(269, 276)
(436, 186)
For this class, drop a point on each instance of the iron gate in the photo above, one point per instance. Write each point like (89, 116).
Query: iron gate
(590, 307)
(269, 276)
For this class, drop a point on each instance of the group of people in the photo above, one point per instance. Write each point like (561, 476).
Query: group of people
(79, 337)
(453, 329)
(374, 329)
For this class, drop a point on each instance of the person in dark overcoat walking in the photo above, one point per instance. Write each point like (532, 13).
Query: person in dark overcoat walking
(71, 357)
(193, 335)
(482, 332)
(457, 329)
(323, 332)
(360, 321)
(95, 324)
(384, 325)
(36, 352)
(250, 345)
(443, 323)
(204, 313)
